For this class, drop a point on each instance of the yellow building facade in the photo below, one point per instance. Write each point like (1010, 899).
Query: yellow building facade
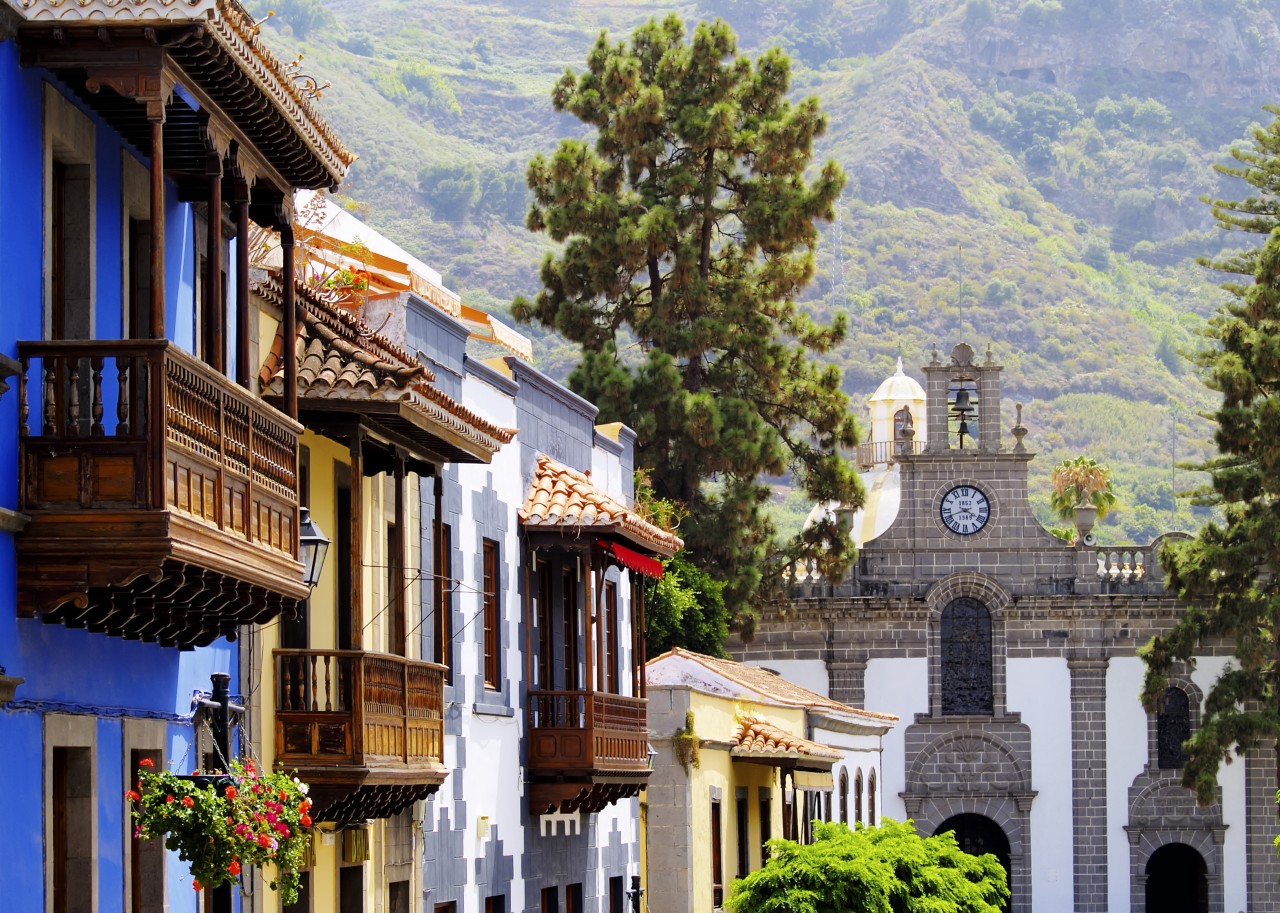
(739, 763)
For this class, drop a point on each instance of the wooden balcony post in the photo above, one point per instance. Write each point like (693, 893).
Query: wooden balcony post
(404, 707)
(155, 114)
(289, 335)
(400, 624)
(356, 491)
(214, 318)
(244, 375)
(588, 679)
(358, 698)
(529, 616)
(157, 424)
(638, 621)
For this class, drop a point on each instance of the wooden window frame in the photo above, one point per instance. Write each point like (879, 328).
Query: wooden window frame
(492, 616)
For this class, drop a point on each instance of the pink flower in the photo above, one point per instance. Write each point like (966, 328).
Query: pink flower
(282, 829)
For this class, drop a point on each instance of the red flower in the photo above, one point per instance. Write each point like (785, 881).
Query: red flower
(132, 796)
(264, 840)
(195, 885)
(168, 799)
(305, 820)
(283, 795)
(234, 868)
(187, 801)
(146, 762)
(230, 793)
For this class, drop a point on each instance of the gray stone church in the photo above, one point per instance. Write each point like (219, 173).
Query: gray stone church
(1010, 657)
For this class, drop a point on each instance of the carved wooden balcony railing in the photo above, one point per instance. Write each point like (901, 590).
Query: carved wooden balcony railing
(163, 498)
(586, 749)
(366, 730)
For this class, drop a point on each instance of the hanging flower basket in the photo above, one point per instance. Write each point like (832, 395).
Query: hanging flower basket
(221, 823)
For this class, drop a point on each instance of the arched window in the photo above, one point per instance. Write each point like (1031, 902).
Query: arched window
(1173, 727)
(857, 798)
(871, 798)
(844, 796)
(966, 658)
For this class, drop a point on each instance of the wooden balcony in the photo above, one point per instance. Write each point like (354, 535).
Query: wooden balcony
(586, 749)
(163, 498)
(366, 730)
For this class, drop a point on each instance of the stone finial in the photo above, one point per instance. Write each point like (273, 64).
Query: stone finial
(934, 360)
(990, 358)
(1019, 432)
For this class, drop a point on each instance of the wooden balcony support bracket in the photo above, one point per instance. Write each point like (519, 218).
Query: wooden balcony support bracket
(179, 525)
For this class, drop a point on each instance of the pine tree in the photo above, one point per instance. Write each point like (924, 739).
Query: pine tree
(1228, 573)
(687, 234)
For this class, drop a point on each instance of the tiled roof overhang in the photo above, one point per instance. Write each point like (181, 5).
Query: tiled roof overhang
(563, 500)
(347, 372)
(759, 740)
(117, 54)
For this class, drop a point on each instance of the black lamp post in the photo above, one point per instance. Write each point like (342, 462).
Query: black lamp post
(313, 545)
(220, 710)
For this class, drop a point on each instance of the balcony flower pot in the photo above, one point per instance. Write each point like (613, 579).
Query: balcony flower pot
(220, 823)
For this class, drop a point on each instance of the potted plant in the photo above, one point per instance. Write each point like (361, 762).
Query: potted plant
(1082, 493)
(220, 823)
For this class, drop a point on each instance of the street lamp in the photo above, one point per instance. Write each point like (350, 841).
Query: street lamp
(313, 545)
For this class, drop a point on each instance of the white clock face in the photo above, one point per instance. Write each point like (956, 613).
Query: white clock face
(965, 510)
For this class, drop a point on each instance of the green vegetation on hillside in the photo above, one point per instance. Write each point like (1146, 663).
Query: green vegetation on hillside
(1022, 172)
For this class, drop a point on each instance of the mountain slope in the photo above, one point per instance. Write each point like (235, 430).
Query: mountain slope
(1023, 173)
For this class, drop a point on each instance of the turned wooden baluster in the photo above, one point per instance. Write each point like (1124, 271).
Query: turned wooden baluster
(286, 669)
(314, 706)
(95, 363)
(122, 397)
(328, 687)
(50, 395)
(73, 399)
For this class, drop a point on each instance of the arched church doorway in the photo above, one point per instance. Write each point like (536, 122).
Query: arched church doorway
(978, 835)
(1177, 880)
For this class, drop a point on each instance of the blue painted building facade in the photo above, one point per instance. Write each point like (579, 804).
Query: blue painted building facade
(145, 503)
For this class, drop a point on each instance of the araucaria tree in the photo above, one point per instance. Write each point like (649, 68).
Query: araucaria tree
(687, 233)
(1230, 573)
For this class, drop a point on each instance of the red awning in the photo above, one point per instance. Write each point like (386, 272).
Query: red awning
(633, 560)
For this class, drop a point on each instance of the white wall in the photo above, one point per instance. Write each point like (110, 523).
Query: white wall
(1040, 690)
(898, 686)
(1231, 779)
(1127, 755)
